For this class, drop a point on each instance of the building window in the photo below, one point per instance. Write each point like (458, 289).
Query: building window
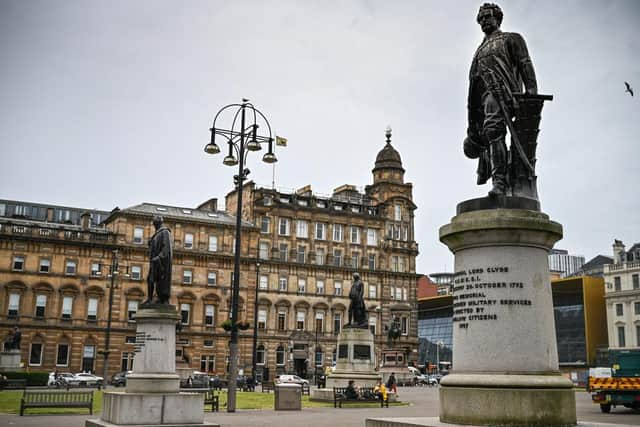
(372, 237)
(95, 269)
(62, 355)
(355, 234)
(92, 309)
(188, 241)
(284, 249)
(635, 279)
(404, 325)
(319, 356)
(621, 340)
(136, 272)
(394, 263)
(41, 306)
(18, 263)
(320, 256)
(187, 276)
(405, 233)
(70, 268)
(401, 264)
(209, 313)
(260, 355)
(35, 354)
(282, 320)
(337, 232)
(397, 213)
(282, 284)
(300, 255)
(14, 305)
(212, 278)
(319, 322)
(302, 229)
(264, 282)
(265, 224)
(45, 265)
(337, 288)
(280, 356)
(619, 310)
(67, 307)
(373, 321)
(132, 309)
(320, 287)
(337, 323)
(264, 250)
(88, 357)
(373, 290)
(355, 259)
(636, 307)
(337, 257)
(321, 231)
(138, 233)
(262, 318)
(208, 363)
(283, 228)
(185, 310)
(617, 283)
(207, 343)
(213, 243)
(126, 363)
(302, 286)
(372, 261)
(637, 335)
(300, 316)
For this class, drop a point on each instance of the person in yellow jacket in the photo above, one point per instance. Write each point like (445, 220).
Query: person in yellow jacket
(380, 390)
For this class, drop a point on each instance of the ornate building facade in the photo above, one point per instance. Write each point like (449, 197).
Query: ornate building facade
(299, 252)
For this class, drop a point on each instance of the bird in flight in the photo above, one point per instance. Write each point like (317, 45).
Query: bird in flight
(629, 88)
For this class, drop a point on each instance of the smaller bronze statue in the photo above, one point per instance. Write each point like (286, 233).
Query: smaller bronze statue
(394, 331)
(160, 259)
(357, 310)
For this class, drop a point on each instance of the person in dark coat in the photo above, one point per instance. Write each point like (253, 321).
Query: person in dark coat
(161, 254)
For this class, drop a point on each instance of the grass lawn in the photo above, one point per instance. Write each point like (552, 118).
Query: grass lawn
(10, 403)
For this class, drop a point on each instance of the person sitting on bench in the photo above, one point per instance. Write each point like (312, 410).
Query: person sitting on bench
(351, 392)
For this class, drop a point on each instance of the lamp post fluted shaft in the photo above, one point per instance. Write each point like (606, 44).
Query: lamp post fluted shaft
(107, 337)
(242, 141)
(255, 326)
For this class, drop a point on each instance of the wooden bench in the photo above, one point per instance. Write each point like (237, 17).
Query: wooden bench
(20, 384)
(210, 397)
(267, 386)
(56, 399)
(366, 395)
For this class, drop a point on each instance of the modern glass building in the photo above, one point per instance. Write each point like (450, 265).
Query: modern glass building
(435, 331)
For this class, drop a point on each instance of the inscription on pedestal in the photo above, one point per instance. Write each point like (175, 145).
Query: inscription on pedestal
(142, 338)
(477, 292)
(362, 352)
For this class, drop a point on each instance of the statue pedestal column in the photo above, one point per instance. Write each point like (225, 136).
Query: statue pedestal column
(10, 360)
(152, 396)
(355, 359)
(505, 359)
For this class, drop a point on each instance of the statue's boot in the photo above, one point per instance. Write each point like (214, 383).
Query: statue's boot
(498, 157)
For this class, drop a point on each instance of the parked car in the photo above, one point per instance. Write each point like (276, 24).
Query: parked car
(281, 379)
(120, 379)
(84, 379)
(59, 380)
(424, 379)
(216, 382)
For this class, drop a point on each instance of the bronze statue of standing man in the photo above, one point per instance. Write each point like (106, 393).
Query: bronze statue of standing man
(501, 67)
(161, 254)
(357, 310)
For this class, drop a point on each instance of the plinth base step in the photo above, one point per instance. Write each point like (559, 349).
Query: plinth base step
(435, 422)
(100, 423)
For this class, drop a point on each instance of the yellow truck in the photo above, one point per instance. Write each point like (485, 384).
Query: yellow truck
(618, 385)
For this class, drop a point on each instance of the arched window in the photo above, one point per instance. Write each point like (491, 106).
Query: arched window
(260, 355)
(280, 355)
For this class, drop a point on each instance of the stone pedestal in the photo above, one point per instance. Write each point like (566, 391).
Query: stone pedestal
(288, 397)
(152, 396)
(505, 360)
(10, 360)
(355, 359)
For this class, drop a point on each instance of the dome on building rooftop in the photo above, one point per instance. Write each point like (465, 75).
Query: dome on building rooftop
(388, 157)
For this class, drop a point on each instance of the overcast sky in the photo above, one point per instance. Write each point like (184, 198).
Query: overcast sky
(108, 103)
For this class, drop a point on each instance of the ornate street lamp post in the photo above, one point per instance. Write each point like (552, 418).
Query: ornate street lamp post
(241, 138)
(255, 326)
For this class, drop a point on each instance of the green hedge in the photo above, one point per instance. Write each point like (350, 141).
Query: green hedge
(33, 378)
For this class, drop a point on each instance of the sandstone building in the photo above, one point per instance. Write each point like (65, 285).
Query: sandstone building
(299, 249)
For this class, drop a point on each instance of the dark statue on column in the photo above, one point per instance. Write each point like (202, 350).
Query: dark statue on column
(357, 310)
(161, 254)
(500, 69)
